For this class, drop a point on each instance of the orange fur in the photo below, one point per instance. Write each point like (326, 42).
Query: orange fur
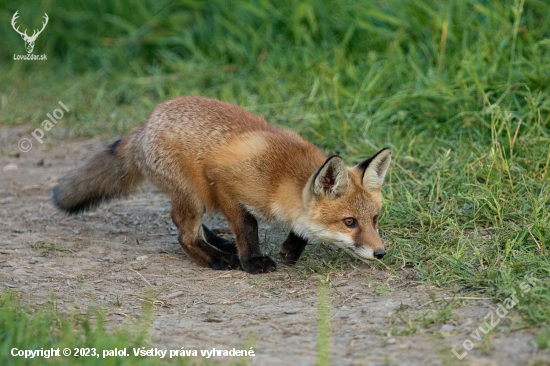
(208, 155)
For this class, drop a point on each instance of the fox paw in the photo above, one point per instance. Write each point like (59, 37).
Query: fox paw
(256, 265)
(289, 258)
(225, 262)
(228, 247)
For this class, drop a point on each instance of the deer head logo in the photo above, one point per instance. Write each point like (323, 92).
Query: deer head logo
(29, 41)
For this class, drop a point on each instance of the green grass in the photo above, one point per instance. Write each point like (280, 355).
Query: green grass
(458, 90)
(47, 328)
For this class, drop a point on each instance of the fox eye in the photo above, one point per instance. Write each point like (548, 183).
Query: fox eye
(350, 222)
(375, 221)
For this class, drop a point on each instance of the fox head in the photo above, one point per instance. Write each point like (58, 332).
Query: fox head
(344, 205)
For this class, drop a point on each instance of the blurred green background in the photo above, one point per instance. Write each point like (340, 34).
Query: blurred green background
(458, 89)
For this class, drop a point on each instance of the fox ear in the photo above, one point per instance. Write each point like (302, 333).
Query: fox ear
(332, 178)
(374, 169)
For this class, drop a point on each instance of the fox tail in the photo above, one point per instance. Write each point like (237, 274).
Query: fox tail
(109, 174)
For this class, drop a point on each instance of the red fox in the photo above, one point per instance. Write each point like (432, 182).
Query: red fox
(208, 155)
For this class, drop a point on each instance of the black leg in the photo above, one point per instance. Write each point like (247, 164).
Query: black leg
(248, 243)
(217, 259)
(222, 244)
(245, 227)
(292, 248)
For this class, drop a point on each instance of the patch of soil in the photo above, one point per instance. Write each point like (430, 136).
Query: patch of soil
(127, 251)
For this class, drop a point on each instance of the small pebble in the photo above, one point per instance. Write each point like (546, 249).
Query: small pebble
(446, 328)
(173, 295)
(10, 168)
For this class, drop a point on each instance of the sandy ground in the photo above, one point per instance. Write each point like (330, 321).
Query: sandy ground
(126, 251)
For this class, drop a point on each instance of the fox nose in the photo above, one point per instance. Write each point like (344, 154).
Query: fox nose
(379, 253)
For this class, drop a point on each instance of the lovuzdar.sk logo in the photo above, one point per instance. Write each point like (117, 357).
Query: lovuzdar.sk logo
(29, 40)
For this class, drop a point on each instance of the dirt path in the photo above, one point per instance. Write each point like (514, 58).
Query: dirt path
(116, 256)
